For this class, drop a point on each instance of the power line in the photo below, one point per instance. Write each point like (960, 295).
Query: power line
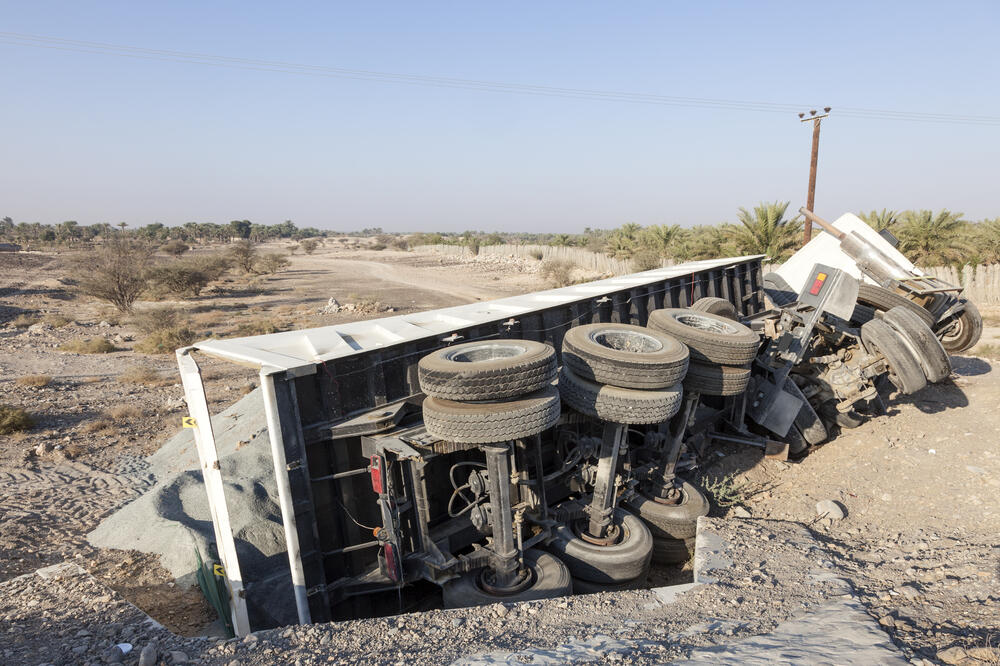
(102, 48)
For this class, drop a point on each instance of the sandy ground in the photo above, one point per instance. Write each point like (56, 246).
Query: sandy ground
(920, 485)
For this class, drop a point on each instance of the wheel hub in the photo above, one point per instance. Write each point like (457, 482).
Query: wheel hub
(487, 582)
(612, 534)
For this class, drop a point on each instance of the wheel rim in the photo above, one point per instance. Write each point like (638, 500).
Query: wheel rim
(626, 341)
(706, 324)
(615, 534)
(486, 582)
(488, 351)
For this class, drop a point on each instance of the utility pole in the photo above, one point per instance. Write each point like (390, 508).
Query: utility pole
(811, 196)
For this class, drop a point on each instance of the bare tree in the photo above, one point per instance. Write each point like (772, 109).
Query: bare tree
(116, 272)
(244, 255)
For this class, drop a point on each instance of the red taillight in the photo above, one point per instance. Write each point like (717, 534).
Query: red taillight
(817, 284)
(376, 471)
(391, 563)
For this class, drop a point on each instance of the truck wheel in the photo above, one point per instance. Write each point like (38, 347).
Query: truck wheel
(671, 521)
(623, 560)
(673, 551)
(711, 338)
(904, 370)
(716, 306)
(549, 579)
(931, 356)
(581, 586)
(882, 299)
(487, 370)
(485, 422)
(619, 405)
(965, 332)
(778, 291)
(711, 379)
(624, 355)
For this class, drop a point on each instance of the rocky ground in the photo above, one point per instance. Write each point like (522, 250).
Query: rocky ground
(919, 488)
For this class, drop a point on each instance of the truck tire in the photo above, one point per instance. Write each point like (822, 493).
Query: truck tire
(487, 370)
(619, 405)
(716, 306)
(964, 333)
(551, 579)
(581, 586)
(624, 355)
(882, 299)
(673, 551)
(486, 422)
(904, 370)
(927, 349)
(710, 338)
(778, 291)
(671, 521)
(618, 562)
(712, 379)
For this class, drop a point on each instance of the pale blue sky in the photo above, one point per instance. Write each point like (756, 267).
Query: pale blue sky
(99, 137)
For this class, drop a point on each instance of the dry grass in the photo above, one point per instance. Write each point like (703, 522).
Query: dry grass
(166, 341)
(144, 375)
(14, 419)
(56, 321)
(101, 425)
(89, 380)
(261, 326)
(558, 272)
(88, 346)
(24, 320)
(986, 351)
(123, 413)
(36, 381)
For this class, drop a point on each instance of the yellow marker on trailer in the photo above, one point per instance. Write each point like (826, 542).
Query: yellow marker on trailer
(189, 422)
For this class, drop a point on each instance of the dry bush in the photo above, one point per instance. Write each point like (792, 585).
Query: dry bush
(56, 321)
(186, 278)
(34, 380)
(123, 413)
(152, 320)
(244, 255)
(263, 326)
(145, 375)
(166, 340)
(14, 419)
(309, 245)
(115, 272)
(175, 248)
(101, 425)
(25, 320)
(558, 272)
(88, 346)
(537, 254)
(292, 249)
(646, 260)
(272, 262)
(378, 247)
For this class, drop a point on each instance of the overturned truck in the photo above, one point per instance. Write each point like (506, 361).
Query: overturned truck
(527, 447)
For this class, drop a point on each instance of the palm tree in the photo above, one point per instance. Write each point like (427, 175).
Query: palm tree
(933, 240)
(661, 238)
(766, 231)
(984, 237)
(879, 220)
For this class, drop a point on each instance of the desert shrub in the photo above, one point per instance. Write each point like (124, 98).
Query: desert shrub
(25, 320)
(292, 249)
(558, 272)
(537, 254)
(14, 419)
(151, 320)
(175, 248)
(260, 327)
(115, 272)
(88, 346)
(309, 245)
(166, 340)
(123, 413)
(378, 247)
(186, 278)
(646, 260)
(244, 255)
(57, 321)
(144, 375)
(272, 262)
(399, 244)
(36, 381)
(101, 425)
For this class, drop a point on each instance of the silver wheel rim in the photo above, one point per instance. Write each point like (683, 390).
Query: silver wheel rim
(626, 341)
(488, 351)
(706, 323)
